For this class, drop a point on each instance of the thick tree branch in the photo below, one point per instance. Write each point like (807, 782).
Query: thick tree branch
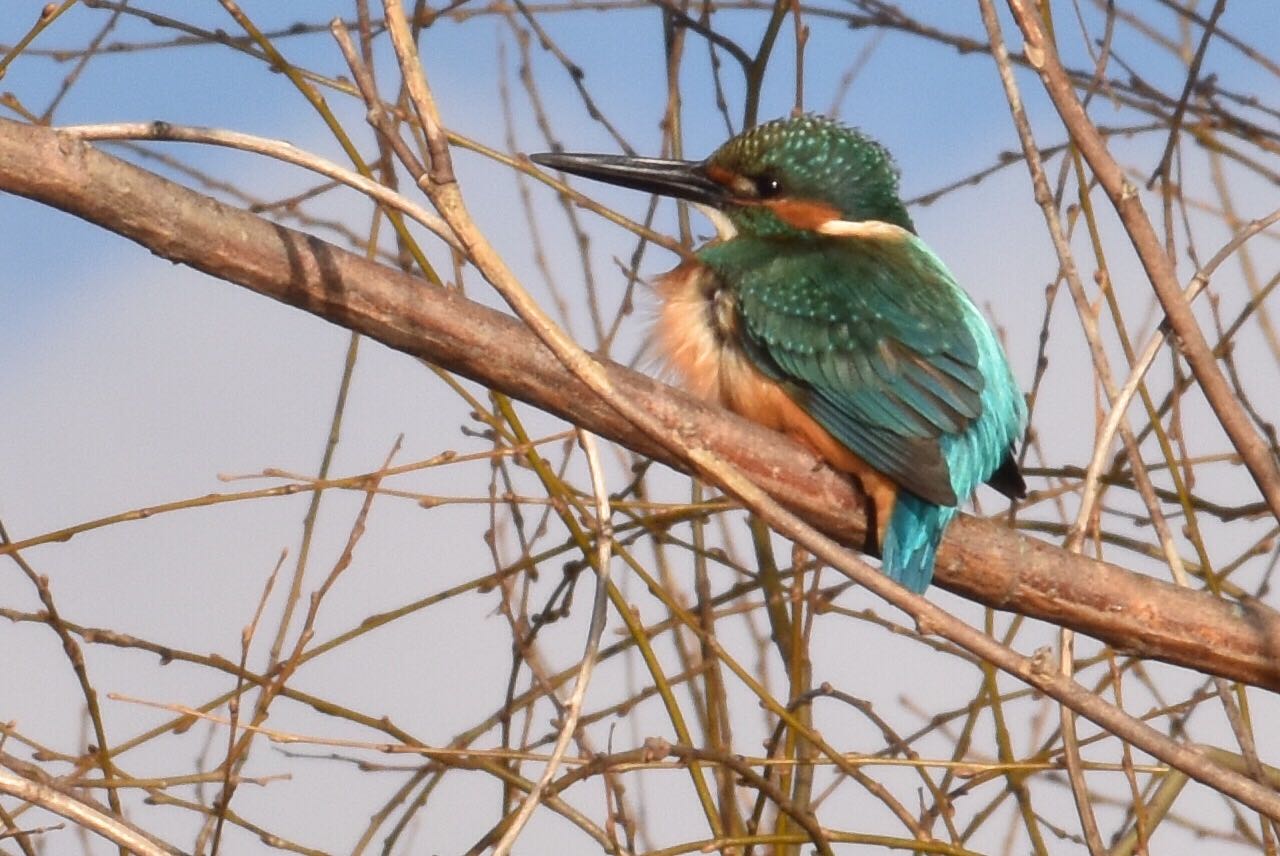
(979, 559)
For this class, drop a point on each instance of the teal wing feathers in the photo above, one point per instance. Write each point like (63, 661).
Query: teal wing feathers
(885, 351)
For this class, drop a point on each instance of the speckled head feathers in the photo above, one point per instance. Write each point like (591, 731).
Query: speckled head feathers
(807, 159)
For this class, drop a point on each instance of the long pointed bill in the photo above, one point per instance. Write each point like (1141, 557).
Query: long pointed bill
(682, 179)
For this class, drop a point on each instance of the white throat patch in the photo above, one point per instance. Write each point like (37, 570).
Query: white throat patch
(724, 228)
(874, 229)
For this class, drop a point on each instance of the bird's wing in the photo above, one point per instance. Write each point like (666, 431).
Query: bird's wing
(873, 341)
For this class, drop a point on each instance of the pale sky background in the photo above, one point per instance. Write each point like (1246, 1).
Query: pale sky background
(130, 382)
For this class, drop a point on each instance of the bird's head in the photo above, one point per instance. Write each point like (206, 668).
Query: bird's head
(795, 177)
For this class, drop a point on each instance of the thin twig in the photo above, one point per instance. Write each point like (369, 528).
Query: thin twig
(1193, 77)
(277, 149)
(573, 706)
(85, 815)
(1098, 463)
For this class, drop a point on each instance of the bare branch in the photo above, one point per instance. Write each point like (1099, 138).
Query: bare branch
(979, 559)
(84, 814)
(1257, 455)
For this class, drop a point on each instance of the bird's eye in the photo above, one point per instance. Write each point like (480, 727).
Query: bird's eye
(768, 186)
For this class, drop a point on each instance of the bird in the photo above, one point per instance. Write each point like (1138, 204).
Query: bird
(819, 312)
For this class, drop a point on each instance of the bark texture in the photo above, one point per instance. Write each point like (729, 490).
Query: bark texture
(980, 560)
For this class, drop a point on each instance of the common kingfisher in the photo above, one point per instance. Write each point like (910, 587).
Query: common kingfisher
(820, 313)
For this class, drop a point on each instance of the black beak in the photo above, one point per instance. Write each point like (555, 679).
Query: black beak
(681, 179)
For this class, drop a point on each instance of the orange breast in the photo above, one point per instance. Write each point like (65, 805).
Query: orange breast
(696, 331)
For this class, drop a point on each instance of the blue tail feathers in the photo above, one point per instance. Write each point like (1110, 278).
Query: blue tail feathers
(915, 526)
(911, 540)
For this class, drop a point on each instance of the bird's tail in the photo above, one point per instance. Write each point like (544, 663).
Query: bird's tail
(911, 540)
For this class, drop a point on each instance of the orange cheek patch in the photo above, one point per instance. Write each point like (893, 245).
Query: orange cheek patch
(801, 213)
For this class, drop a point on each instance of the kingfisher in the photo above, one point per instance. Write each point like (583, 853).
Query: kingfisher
(820, 313)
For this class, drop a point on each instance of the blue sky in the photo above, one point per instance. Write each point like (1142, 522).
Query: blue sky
(130, 381)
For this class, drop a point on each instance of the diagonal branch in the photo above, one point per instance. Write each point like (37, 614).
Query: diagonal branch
(979, 560)
(1253, 449)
